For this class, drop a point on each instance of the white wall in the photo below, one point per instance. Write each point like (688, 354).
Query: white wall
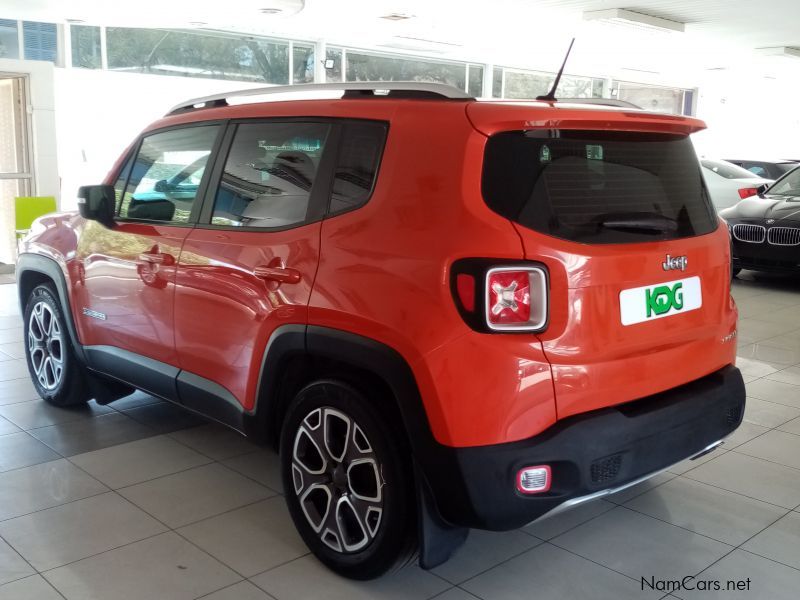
(751, 112)
(101, 112)
(40, 111)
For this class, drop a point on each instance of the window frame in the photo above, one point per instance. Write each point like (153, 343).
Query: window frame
(320, 199)
(204, 182)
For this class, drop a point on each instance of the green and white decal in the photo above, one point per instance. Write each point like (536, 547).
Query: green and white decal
(660, 300)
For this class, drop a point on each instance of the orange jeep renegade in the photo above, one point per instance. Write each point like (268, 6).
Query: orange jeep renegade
(443, 313)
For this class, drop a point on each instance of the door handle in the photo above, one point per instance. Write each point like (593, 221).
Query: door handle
(166, 260)
(279, 274)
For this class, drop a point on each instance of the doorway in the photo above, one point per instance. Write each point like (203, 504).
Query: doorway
(16, 178)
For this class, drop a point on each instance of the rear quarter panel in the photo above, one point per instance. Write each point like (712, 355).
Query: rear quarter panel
(384, 274)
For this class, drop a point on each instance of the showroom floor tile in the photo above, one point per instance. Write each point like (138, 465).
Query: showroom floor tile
(140, 499)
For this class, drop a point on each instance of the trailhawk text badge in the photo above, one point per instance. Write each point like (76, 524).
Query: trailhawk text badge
(650, 302)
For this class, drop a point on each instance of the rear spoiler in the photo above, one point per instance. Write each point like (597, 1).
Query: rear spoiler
(492, 117)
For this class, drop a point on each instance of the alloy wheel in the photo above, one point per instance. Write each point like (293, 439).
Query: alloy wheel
(338, 480)
(46, 346)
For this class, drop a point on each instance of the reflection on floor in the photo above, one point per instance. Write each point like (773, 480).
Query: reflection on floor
(141, 500)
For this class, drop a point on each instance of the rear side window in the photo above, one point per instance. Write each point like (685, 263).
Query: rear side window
(598, 187)
(359, 156)
(727, 170)
(269, 174)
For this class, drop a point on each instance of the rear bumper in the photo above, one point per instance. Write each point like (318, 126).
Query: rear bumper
(590, 454)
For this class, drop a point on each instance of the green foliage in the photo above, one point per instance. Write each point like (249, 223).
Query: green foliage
(197, 55)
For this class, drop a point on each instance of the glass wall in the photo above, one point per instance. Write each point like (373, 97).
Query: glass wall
(9, 39)
(40, 41)
(518, 84)
(85, 42)
(224, 55)
(333, 64)
(190, 54)
(674, 101)
(302, 63)
(475, 80)
(366, 66)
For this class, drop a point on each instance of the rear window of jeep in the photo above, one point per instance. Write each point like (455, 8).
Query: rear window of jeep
(598, 187)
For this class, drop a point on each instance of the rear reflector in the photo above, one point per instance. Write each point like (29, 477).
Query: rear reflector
(516, 298)
(747, 192)
(465, 286)
(534, 480)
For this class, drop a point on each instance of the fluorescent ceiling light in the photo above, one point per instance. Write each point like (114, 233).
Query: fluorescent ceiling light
(780, 51)
(623, 16)
(397, 17)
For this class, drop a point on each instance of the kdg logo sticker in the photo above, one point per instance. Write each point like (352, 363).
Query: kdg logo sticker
(663, 298)
(660, 300)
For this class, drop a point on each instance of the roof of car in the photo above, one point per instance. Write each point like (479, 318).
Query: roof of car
(381, 100)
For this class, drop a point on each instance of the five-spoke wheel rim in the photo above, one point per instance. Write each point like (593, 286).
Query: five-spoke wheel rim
(46, 346)
(338, 480)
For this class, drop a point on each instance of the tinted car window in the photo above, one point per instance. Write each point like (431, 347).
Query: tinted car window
(598, 187)
(759, 171)
(788, 186)
(166, 174)
(727, 170)
(269, 174)
(785, 167)
(359, 156)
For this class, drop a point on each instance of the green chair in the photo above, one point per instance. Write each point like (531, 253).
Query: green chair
(29, 208)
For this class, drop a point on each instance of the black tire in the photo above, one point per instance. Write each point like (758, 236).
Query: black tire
(735, 271)
(63, 382)
(378, 514)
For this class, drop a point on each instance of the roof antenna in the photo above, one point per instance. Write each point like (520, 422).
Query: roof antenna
(551, 95)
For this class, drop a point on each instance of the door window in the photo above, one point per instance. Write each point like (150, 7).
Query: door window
(166, 175)
(269, 174)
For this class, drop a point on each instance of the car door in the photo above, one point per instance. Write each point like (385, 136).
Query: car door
(249, 265)
(128, 272)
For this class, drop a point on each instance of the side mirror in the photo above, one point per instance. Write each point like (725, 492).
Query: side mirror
(97, 203)
(762, 188)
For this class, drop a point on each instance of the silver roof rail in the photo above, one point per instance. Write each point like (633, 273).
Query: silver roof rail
(600, 102)
(407, 89)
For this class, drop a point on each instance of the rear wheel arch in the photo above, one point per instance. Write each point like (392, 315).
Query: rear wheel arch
(297, 355)
(384, 378)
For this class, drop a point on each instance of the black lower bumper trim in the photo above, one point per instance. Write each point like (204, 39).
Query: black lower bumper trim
(590, 452)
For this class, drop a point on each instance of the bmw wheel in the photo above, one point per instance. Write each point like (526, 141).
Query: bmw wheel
(57, 375)
(348, 485)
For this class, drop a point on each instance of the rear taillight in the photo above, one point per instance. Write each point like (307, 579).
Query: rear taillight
(508, 297)
(747, 192)
(516, 298)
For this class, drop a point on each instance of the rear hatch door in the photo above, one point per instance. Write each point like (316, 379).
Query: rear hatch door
(639, 264)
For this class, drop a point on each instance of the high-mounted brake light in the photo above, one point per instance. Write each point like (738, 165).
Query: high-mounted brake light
(747, 192)
(516, 298)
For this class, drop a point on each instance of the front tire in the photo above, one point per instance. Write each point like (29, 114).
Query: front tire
(347, 481)
(56, 373)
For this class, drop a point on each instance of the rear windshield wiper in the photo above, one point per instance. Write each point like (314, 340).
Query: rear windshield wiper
(645, 223)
